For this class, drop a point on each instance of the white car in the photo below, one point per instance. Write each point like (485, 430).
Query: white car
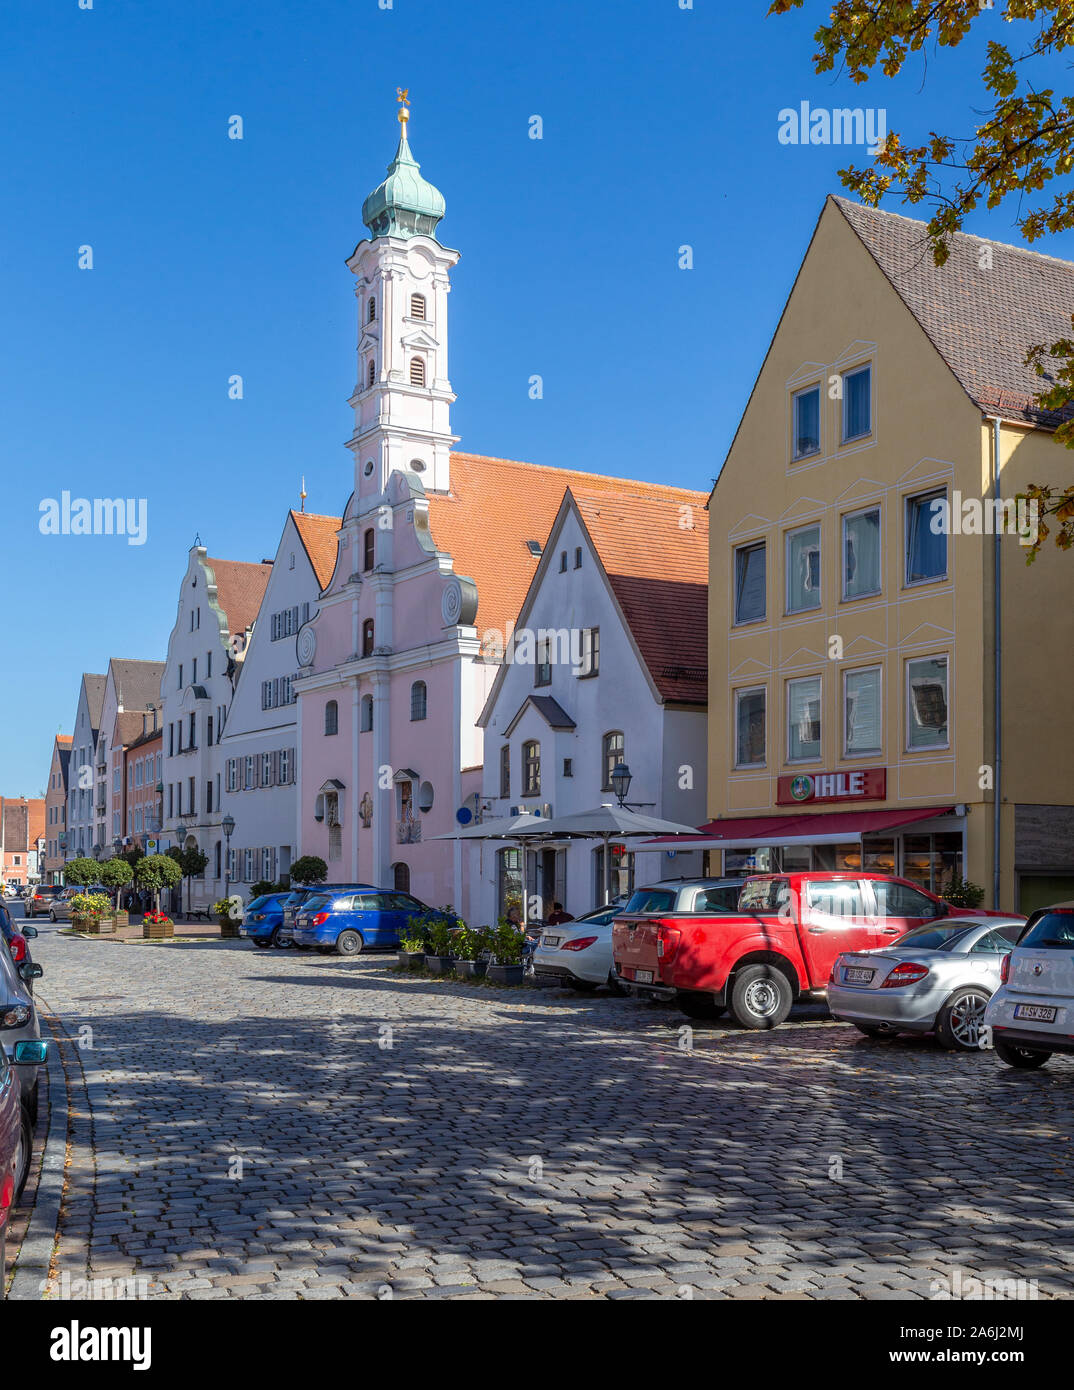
(1031, 1015)
(579, 953)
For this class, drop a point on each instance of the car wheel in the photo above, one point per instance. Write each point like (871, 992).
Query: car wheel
(52, 916)
(761, 997)
(699, 1006)
(1024, 1058)
(582, 986)
(959, 1022)
(349, 943)
(24, 1152)
(274, 937)
(875, 1030)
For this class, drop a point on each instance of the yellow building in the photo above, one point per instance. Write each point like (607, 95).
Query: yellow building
(854, 667)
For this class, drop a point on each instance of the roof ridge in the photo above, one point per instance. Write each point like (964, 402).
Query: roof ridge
(576, 472)
(965, 236)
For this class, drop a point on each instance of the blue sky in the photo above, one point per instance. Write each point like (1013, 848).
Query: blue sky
(214, 256)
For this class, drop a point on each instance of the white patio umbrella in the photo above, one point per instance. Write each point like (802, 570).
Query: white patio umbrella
(609, 823)
(516, 830)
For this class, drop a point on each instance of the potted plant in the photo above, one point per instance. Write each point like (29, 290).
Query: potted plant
(437, 930)
(412, 950)
(469, 947)
(156, 926)
(155, 872)
(228, 912)
(506, 967)
(88, 913)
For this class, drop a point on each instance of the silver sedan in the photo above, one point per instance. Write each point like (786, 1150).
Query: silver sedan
(937, 978)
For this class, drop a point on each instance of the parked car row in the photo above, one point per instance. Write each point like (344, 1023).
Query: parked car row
(888, 956)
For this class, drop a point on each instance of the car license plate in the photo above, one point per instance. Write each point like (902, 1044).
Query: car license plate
(1038, 1013)
(551, 940)
(643, 977)
(857, 975)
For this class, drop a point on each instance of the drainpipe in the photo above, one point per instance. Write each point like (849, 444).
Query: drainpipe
(997, 671)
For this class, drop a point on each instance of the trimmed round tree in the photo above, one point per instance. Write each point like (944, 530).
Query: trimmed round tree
(309, 869)
(114, 875)
(156, 872)
(81, 871)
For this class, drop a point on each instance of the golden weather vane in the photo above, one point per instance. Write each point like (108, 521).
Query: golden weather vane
(402, 95)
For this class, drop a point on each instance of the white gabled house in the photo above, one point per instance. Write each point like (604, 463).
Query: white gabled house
(608, 665)
(259, 750)
(217, 609)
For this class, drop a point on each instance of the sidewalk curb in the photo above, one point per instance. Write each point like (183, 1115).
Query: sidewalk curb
(35, 1255)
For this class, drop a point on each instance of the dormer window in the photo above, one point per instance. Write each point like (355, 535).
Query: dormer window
(417, 306)
(417, 371)
(371, 316)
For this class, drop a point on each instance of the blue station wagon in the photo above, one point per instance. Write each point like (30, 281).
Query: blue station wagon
(350, 922)
(262, 919)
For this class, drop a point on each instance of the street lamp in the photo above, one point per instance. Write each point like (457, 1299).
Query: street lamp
(180, 838)
(621, 780)
(228, 826)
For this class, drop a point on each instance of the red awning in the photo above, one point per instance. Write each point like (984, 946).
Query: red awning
(801, 827)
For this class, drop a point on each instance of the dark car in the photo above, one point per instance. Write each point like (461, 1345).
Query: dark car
(347, 921)
(39, 898)
(16, 937)
(16, 1129)
(262, 919)
(298, 896)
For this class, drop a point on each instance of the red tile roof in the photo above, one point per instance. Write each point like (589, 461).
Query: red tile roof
(496, 505)
(318, 537)
(240, 587)
(655, 554)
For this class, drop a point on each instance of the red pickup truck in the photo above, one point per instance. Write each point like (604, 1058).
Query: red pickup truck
(780, 943)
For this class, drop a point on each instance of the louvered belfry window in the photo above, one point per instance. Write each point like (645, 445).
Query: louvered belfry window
(417, 371)
(417, 306)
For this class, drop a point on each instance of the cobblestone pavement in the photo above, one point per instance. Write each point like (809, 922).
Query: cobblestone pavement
(288, 1125)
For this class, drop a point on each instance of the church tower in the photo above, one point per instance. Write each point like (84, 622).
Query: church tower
(403, 397)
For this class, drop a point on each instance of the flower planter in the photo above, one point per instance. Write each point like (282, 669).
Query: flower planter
(121, 919)
(92, 926)
(229, 927)
(471, 969)
(507, 974)
(157, 931)
(439, 965)
(412, 960)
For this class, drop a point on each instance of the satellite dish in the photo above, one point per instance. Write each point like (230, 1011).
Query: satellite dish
(464, 815)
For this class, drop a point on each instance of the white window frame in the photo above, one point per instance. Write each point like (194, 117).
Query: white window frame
(802, 680)
(844, 378)
(945, 657)
(848, 752)
(849, 516)
(795, 398)
(739, 692)
(788, 537)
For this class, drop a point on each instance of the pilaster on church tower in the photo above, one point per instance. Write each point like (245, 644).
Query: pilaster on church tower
(403, 396)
